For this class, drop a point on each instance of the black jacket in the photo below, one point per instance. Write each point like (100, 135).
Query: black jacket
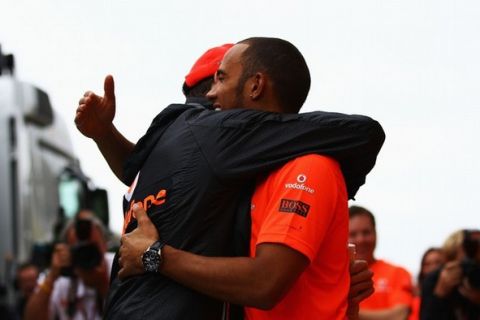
(207, 162)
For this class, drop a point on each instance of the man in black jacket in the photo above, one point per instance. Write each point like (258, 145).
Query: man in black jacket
(191, 180)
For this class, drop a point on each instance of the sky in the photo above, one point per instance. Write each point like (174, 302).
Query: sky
(413, 65)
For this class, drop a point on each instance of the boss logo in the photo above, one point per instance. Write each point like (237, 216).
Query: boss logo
(294, 206)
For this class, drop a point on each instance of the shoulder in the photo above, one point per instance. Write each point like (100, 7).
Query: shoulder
(171, 112)
(227, 118)
(315, 159)
(313, 177)
(177, 107)
(242, 118)
(311, 166)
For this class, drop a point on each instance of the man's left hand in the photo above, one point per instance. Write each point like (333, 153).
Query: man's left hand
(361, 281)
(134, 244)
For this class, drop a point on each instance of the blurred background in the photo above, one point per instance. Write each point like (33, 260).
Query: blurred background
(412, 65)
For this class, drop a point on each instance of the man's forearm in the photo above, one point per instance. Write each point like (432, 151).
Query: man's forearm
(240, 280)
(115, 148)
(258, 282)
(37, 307)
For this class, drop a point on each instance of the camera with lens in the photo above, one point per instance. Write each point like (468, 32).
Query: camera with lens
(85, 254)
(470, 264)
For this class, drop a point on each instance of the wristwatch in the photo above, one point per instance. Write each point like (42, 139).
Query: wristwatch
(152, 257)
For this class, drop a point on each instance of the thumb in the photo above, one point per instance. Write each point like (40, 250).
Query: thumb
(145, 225)
(109, 88)
(358, 266)
(142, 218)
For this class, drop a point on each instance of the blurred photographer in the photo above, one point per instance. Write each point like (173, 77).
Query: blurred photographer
(453, 291)
(26, 277)
(77, 281)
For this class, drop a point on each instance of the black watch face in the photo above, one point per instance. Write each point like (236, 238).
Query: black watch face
(151, 261)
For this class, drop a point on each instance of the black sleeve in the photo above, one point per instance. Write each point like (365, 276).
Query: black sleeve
(433, 307)
(240, 144)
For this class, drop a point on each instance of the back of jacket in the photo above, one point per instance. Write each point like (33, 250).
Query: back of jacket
(200, 169)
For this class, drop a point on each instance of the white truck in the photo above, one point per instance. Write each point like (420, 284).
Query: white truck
(41, 183)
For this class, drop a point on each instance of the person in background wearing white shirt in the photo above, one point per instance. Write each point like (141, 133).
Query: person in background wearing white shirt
(78, 279)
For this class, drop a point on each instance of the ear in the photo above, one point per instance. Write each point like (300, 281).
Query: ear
(258, 85)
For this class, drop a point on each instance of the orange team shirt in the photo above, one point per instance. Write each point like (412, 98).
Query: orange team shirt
(303, 205)
(392, 284)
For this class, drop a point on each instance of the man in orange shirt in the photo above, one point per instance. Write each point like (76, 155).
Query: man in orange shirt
(393, 285)
(298, 265)
(303, 206)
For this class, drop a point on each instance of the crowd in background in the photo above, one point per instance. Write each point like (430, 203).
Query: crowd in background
(74, 282)
(446, 287)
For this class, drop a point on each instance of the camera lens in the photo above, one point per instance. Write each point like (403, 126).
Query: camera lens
(83, 228)
(85, 255)
(471, 271)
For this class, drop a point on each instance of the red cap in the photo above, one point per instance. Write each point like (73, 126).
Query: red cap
(206, 65)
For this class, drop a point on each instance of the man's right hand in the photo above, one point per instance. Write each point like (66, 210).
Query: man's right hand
(95, 114)
(134, 244)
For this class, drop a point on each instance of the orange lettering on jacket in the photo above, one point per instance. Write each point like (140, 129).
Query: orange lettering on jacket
(147, 202)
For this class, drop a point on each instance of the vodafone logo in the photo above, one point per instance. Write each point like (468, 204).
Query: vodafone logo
(301, 178)
(300, 184)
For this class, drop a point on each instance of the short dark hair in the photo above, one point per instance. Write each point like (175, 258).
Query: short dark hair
(355, 211)
(285, 65)
(199, 90)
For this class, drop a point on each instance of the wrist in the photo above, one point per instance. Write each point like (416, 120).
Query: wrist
(105, 134)
(168, 253)
(46, 286)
